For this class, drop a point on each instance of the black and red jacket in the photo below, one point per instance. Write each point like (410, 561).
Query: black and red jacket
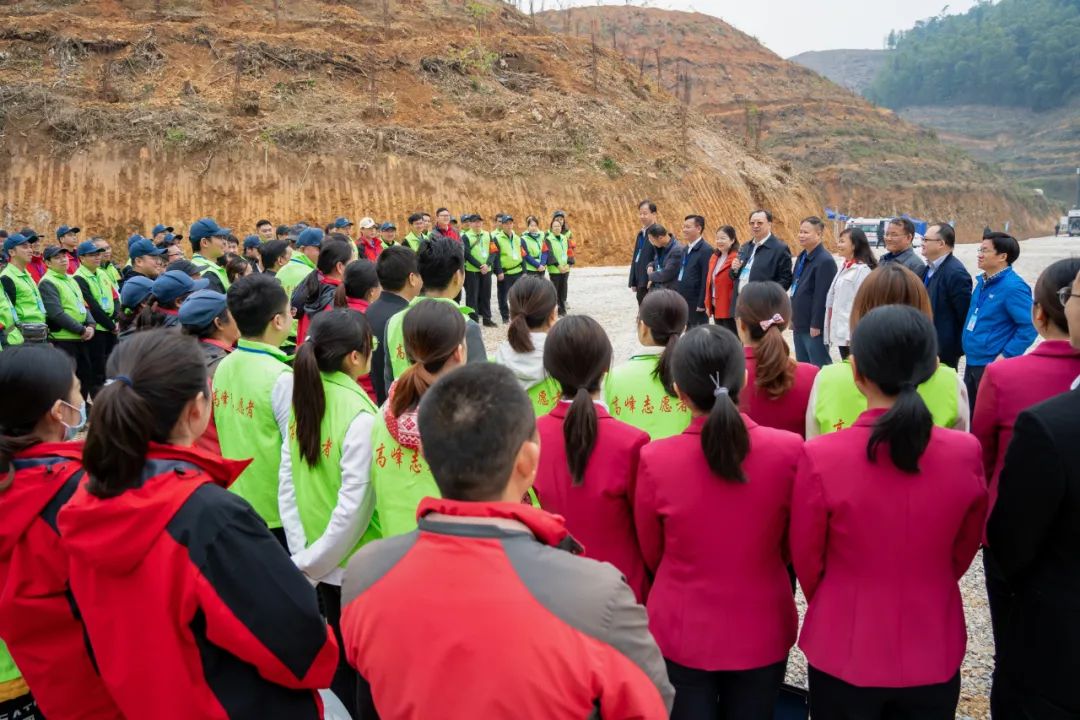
(38, 616)
(486, 612)
(193, 608)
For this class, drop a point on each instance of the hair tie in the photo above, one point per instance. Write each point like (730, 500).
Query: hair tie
(719, 389)
(774, 320)
(908, 386)
(122, 379)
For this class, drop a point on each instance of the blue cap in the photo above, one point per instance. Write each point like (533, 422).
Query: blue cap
(88, 247)
(14, 240)
(52, 251)
(342, 222)
(64, 230)
(134, 239)
(387, 226)
(136, 289)
(159, 228)
(206, 227)
(310, 237)
(142, 247)
(200, 308)
(172, 285)
(252, 241)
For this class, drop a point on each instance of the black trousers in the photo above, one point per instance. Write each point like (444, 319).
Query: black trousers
(641, 293)
(346, 679)
(561, 281)
(1009, 700)
(833, 699)
(845, 352)
(696, 318)
(725, 695)
(972, 377)
(79, 350)
(98, 349)
(504, 292)
(728, 323)
(478, 294)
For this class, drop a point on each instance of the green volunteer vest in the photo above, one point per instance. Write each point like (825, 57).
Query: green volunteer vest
(100, 288)
(839, 403)
(112, 275)
(245, 422)
(294, 272)
(317, 487)
(637, 398)
(28, 305)
(208, 266)
(8, 670)
(395, 336)
(545, 395)
(479, 245)
(401, 479)
(7, 319)
(71, 300)
(534, 246)
(509, 252)
(560, 249)
(412, 242)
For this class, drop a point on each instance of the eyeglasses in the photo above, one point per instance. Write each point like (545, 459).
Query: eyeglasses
(1065, 293)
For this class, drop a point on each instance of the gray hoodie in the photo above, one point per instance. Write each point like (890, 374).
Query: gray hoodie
(528, 367)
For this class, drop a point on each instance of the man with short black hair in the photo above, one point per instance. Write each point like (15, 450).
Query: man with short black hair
(146, 259)
(899, 236)
(282, 232)
(401, 283)
(265, 230)
(444, 226)
(567, 630)
(97, 293)
(815, 269)
(693, 269)
(417, 231)
(663, 271)
(477, 270)
(644, 252)
(949, 285)
(68, 237)
(274, 255)
(251, 252)
(207, 245)
(764, 257)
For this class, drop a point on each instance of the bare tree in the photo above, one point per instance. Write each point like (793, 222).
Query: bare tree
(641, 66)
(595, 51)
(659, 75)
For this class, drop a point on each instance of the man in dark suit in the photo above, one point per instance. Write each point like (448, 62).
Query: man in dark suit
(765, 257)
(949, 285)
(663, 272)
(400, 280)
(644, 253)
(815, 269)
(694, 267)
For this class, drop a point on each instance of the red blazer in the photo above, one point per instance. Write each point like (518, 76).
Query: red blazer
(725, 287)
(600, 511)
(788, 412)
(879, 554)
(38, 616)
(721, 598)
(1011, 386)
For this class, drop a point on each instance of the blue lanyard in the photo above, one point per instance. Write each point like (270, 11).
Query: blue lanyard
(685, 259)
(798, 271)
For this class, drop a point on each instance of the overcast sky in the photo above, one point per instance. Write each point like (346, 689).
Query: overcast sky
(789, 27)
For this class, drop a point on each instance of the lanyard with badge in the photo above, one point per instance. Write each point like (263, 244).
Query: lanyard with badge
(799, 266)
(978, 305)
(745, 272)
(640, 244)
(685, 259)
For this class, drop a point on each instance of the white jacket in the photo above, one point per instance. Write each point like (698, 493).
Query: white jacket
(528, 367)
(839, 301)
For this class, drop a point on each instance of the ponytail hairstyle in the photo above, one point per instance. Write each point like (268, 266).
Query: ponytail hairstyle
(360, 279)
(895, 348)
(577, 353)
(710, 369)
(331, 337)
(154, 376)
(665, 313)
(432, 331)
(331, 253)
(532, 300)
(758, 307)
(32, 379)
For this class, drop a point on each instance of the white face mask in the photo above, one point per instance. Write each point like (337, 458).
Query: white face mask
(71, 431)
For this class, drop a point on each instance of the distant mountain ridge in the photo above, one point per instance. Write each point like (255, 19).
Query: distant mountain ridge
(853, 69)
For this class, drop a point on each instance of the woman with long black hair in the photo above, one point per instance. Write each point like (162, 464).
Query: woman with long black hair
(859, 262)
(316, 292)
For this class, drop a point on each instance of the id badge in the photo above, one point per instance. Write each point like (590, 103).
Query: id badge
(744, 272)
(971, 323)
(681, 274)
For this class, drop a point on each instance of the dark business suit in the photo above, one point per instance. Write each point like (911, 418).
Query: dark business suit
(694, 268)
(772, 261)
(1034, 536)
(667, 262)
(644, 254)
(816, 270)
(950, 296)
(378, 314)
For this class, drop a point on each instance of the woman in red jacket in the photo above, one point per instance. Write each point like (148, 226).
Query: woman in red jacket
(316, 292)
(589, 462)
(719, 287)
(886, 518)
(38, 473)
(721, 607)
(193, 608)
(777, 388)
(358, 289)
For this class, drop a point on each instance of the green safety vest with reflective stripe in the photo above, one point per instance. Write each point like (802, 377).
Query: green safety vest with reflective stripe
(560, 249)
(838, 403)
(317, 487)
(207, 266)
(534, 246)
(28, 305)
(246, 427)
(509, 252)
(477, 244)
(401, 478)
(395, 337)
(100, 288)
(637, 398)
(7, 319)
(412, 241)
(71, 300)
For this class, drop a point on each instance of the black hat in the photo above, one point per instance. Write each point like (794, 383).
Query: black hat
(52, 251)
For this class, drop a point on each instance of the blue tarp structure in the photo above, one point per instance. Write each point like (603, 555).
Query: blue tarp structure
(920, 225)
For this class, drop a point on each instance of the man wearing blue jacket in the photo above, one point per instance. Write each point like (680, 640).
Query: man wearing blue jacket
(999, 318)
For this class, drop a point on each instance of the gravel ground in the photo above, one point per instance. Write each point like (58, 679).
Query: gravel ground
(602, 292)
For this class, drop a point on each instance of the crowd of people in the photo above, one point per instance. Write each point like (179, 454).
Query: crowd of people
(280, 478)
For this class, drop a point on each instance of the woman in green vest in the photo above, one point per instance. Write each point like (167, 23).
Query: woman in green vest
(70, 326)
(835, 401)
(641, 391)
(325, 465)
(534, 248)
(560, 258)
(533, 310)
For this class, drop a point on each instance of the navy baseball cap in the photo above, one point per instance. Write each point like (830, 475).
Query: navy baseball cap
(136, 289)
(559, 213)
(134, 239)
(200, 308)
(342, 222)
(52, 251)
(159, 228)
(142, 247)
(64, 230)
(14, 240)
(172, 285)
(252, 241)
(30, 234)
(506, 217)
(88, 247)
(282, 230)
(387, 226)
(206, 227)
(310, 237)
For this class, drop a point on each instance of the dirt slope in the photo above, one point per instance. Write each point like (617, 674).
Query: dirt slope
(120, 114)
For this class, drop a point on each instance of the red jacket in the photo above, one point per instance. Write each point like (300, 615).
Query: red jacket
(600, 511)
(1011, 386)
(722, 596)
(879, 554)
(787, 412)
(37, 267)
(38, 617)
(369, 250)
(496, 620)
(720, 285)
(193, 608)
